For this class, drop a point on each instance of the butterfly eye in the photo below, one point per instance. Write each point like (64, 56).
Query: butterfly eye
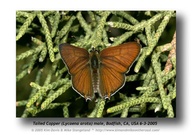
(92, 49)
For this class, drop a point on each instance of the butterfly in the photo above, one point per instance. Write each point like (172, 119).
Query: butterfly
(99, 72)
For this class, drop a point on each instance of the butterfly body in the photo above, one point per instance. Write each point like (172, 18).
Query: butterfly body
(94, 69)
(102, 72)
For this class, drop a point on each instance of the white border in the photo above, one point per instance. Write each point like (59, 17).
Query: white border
(7, 26)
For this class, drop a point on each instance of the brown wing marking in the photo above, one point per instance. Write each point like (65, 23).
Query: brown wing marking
(77, 61)
(115, 62)
(120, 57)
(110, 81)
(75, 58)
(82, 83)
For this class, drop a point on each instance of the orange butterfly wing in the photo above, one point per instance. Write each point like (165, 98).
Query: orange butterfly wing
(77, 61)
(115, 62)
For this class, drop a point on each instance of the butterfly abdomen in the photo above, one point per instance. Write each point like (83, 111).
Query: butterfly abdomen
(95, 81)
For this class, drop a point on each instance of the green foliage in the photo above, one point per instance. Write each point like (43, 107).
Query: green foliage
(44, 85)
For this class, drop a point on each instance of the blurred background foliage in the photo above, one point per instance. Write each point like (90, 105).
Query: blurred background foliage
(51, 28)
